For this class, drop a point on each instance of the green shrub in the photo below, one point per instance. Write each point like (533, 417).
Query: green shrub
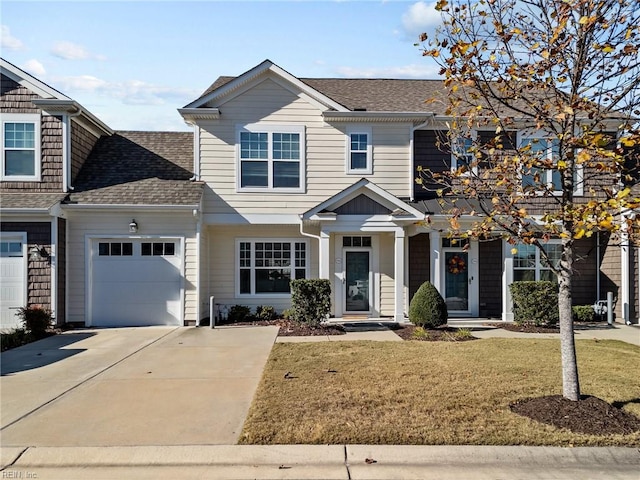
(287, 314)
(310, 300)
(427, 307)
(583, 313)
(36, 320)
(13, 339)
(535, 303)
(265, 312)
(239, 313)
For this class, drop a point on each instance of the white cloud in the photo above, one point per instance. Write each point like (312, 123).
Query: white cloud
(420, 17)
(34, 67)
(73, 51)
(130, 92)
(8, 41)
(407, 71)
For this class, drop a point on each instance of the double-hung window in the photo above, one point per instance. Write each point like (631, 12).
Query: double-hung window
(462, 152)
(267, 266)
(359, 151)
(271, 157)
(530, 265)
(543, 151)
(20, 147)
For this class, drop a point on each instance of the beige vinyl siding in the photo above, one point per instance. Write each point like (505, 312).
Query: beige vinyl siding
(326, 147)
(92, 224)
(387, 285)
(222, 268)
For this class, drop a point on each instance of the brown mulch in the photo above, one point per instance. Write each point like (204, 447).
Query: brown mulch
(512, 327)
(440, 334)
(292, 329)
(589, 415)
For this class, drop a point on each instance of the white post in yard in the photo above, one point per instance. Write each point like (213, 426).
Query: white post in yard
(212, 313)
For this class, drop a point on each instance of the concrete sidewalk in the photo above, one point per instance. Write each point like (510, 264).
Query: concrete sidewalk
(326, 462)
(178, 386)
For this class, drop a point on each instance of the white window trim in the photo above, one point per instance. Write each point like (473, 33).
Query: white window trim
(22, 118)
(578, 187)
(253, 240)
(538, 267)
(364, 130)
(473, 134)
(270, 129)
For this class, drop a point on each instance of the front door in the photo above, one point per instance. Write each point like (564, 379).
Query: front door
(456, 280)
(357, 277)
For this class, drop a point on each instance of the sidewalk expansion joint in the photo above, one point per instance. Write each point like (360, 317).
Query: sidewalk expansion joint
(24, 450)
(346, 462)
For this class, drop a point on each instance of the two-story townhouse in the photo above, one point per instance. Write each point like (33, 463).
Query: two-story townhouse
(310, 178)
(45, 137)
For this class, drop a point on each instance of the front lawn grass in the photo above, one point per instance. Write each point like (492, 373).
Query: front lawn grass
(431, 393)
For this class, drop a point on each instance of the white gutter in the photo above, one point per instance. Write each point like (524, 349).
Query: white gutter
(53, 257)
(71, 206)
(196, 214)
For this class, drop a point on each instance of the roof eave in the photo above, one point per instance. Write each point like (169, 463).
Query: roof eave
(192, 115)
(72, 108)
(416, 118)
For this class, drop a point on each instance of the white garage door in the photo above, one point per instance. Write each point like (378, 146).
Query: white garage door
(13, 290)
(136, 282)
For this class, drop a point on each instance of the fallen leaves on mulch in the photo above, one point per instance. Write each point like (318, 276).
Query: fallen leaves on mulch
(589, 415)
(441, 334)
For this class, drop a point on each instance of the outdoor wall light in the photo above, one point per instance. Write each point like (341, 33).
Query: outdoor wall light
(133, 226)
(38, 253)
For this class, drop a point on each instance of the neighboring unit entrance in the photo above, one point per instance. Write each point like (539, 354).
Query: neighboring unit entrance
(136, 282)
(460, 273)
(13, 286)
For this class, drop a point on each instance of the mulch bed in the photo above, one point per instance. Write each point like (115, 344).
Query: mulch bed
(589, 415)
(512, 327)
(440, 334)
(292, 329)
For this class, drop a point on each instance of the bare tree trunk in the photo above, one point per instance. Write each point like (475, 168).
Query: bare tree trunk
(570, 381)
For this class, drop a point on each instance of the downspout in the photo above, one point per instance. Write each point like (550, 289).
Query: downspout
(625, 271)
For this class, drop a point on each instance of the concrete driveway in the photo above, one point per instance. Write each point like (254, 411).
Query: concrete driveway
(132, 386)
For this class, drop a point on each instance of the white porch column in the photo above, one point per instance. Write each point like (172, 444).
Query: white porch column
(324, 250)
(434, 260)
(398, 267)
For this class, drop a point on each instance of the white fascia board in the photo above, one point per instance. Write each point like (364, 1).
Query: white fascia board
(28, 81)
(416, 118)
(192, 115)
(24, 211)
(253, 75)
(76, 111)
(158, 208)
(251, 219)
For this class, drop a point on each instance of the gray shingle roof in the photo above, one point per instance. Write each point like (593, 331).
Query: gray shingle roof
(139, 168)
(374, 95)
(39, 201)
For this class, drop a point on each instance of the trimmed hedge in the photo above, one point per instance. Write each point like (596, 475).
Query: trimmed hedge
(535, 303)
(310, 300)
(427, 307)
(265, 312)
(239, 313)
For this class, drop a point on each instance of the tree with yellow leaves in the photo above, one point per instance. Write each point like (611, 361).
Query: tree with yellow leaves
(544, 102)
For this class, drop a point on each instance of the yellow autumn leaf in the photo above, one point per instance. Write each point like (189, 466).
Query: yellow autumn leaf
(606, 224)
(579, 234)
(583, 20)
(545, 54)
(608, 49)
(514, 251)
(627, 142)
(583, 156)
(561, 164)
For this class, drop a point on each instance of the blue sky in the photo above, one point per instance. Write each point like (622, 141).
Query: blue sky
(133, 63)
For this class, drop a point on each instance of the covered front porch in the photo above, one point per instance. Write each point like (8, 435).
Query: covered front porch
(363, 250)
